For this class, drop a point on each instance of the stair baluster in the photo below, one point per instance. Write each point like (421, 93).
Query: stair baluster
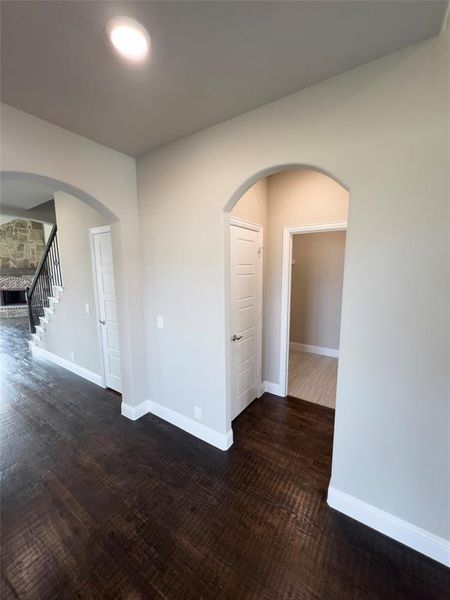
(48, 274)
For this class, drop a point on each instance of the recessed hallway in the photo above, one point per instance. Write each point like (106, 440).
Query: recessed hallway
(97, 506)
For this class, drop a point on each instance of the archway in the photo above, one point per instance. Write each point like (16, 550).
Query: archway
(58, 185)
(316, 217)
(67, 267)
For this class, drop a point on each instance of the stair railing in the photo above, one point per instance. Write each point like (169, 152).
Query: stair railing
(48, 274)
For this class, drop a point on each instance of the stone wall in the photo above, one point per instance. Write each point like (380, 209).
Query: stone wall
(21, 244)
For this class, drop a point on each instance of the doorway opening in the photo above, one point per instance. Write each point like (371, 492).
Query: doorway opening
(314, 304)
(286, 237)
(49, 276)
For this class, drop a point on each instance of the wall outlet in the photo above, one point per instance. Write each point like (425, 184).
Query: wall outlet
(87, 309)
(160, 322)
(198, 413)
(72, 356)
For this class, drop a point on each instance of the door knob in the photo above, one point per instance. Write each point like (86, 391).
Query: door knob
(235, 338)
(101, 322)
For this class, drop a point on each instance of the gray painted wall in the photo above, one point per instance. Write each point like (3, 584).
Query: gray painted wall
(44, 212)
(383, 130)
(106, 181)
(71, 330)
(316, 288)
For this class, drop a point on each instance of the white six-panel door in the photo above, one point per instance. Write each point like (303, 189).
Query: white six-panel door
(245, 314)
(107, 309)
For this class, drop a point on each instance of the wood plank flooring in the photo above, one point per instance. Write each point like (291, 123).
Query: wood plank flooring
(96, 506)
(312, 377)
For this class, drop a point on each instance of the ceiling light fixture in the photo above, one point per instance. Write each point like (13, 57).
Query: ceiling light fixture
(129, 38)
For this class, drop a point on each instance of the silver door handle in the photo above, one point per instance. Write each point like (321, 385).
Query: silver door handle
(101, 322)
(235, 338)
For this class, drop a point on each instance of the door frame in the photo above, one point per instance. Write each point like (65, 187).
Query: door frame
(259, 300)
(286, 277)
(92, 232)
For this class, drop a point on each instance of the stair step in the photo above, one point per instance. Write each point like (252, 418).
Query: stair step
(35, 337)
(53, 300)
(40, 329)
(58, 288)
(44, 321)
(48, 310)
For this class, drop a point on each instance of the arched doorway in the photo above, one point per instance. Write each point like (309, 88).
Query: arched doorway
(280, 203)
(72, 307)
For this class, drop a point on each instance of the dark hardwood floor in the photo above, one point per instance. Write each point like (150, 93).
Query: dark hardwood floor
(97, 506)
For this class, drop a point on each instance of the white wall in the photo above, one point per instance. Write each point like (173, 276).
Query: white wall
(105, 180)
(71, 329)
(382, 129)
(316, 288)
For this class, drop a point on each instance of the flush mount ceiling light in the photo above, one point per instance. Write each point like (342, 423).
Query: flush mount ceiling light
(129, 38)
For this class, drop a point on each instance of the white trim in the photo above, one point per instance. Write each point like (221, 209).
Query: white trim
(286, 273)
(314, 349)
(101, 229)
(445, 19)
(135, 412)
(93, 231)
(67, 364)
(220, 440)
(272, 388)
(227, 304)
(412, 536)
(245, 224)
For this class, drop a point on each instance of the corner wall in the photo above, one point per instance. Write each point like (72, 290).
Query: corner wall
(383, 130)
(106, 181)
(71, 330)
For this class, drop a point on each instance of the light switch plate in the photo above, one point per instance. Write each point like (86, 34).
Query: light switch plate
(160, 322)
(198, 413)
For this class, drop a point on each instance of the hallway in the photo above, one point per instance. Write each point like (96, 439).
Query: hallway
(97, 506)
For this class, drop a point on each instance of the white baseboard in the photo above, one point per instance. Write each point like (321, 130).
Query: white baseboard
(135, 412)
(314, 349)
(272, 388)
(412, 536)
(66, 364)
(220, 440)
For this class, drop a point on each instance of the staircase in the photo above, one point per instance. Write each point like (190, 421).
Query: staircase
(45, 290)
(49, 310)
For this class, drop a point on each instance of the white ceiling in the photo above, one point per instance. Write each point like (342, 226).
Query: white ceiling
(209, 60)
(22, 194)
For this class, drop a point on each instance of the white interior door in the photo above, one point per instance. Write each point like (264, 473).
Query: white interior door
(107, 309)
(245, 314)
